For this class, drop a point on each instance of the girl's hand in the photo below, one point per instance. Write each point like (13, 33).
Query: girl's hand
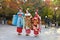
(35, 28)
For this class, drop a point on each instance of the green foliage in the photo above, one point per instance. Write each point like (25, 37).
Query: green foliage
(44, 10)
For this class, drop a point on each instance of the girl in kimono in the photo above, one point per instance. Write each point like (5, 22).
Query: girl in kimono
(27, 22)
(36, 24)
(20, 22)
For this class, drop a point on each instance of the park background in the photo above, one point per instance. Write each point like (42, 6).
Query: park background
(50, 8)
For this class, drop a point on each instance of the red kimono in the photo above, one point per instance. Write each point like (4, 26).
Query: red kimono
(36, 25)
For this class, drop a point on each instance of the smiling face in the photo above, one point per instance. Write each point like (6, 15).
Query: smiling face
(20, 10)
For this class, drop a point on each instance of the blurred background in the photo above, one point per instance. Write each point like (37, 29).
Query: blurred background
(50, 8)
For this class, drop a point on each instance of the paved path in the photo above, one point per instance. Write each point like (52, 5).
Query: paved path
(8, 32)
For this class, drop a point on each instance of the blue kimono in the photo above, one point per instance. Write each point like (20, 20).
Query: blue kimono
(20, 21)
(14, 20)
